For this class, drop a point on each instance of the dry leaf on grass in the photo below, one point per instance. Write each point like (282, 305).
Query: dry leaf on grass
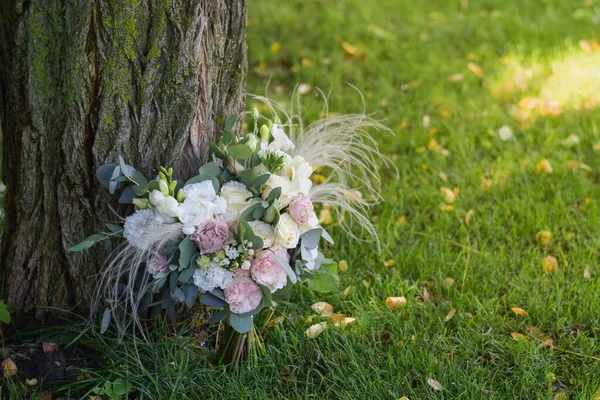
(314, 331)
(549, 264)
(435, 384)
(450, 314)
(518, 311)
(323, 309)
(448, 282)
(468, 217)
(9, 367)
(518, 336)
(395, 302)
(343, 266)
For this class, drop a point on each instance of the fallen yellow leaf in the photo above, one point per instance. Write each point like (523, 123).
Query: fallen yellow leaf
(543, 166)
(475, 69)
(435, 384)
(447, 207)
(350, 50)
(275, 47)
(347, 291)
(401, 221)
(468, 217)
(314, 331)
(323, 309)
(518, 311)
(343, 266)
(450, 314)
(395, 302)
(447, 194)
(549, 264)
(586, 273)
(9, 367)
(544, 237)
(518, 336)
(389, 263)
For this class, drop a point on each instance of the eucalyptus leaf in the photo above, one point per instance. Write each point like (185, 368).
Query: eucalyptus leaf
(217, 152)
(179, 296)
(105, 320)
(187, 248)
(241, 323)
(325, 279)
(124, 167)
(286, 267)
(191, 294)
(248, 177)
(114, 183)
(128, 195)
(139, 190)
(139, 179)
(104, 174)
(310, 239)
(186, 274)
(261, 180)
(220, 316)
(212, 300)
(230, 122)
(327, 237)
(248, 214)
(227, 137)
(210, 168)
(114, 228)
(173, 280)
(274, 194)
(239, 151)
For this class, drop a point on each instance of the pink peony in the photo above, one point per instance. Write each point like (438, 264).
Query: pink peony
(243, 295)
(157, 263)
(302, 209)
(267, 271)
(212, 235)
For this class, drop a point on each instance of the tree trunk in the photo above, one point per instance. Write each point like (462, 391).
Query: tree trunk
(82, 82)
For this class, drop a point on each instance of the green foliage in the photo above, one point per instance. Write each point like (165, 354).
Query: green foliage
(4, 313)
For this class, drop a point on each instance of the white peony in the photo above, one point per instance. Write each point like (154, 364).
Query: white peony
(138, 226)
(280, 140)
(286, 232)
(298, 171)
(156, 197)
(288, 192)
(212, 277)
(194, 211)
(203, 189)
(263, 231)
(168, 207)
(236, 194)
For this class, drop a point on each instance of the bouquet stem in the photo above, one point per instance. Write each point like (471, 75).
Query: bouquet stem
(239, 347)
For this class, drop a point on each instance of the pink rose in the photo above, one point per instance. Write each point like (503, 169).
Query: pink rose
(267, 271)
(243, 295)
(302, 209)
(157, 263)
(212, 235)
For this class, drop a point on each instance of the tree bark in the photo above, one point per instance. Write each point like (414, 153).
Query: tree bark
(82, 82)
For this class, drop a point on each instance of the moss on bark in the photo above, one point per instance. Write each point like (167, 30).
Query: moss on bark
(82, 82)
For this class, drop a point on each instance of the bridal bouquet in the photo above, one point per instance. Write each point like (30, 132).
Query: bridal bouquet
(238, 235)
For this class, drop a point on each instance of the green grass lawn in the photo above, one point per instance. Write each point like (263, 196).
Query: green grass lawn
(445, 76)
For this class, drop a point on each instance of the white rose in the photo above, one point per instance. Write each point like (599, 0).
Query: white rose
(312, 223)
(286, 232)
(298, 171)
(169, 207)
(280, 140)
(193, 212)
(236, 194)
(263, 231)
(288, 193)
(156, 197)
(204, 189)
